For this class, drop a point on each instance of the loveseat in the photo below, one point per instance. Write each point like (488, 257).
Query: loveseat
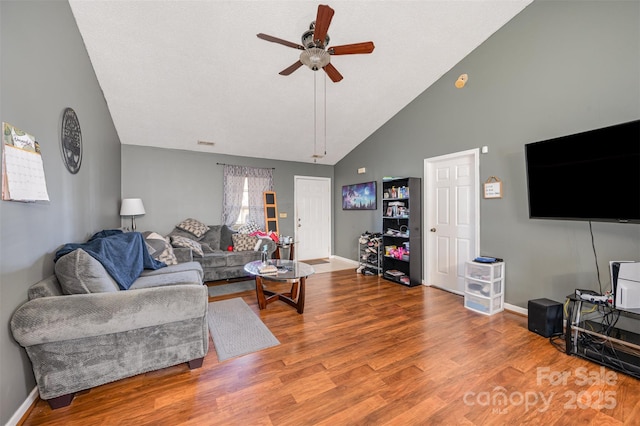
(81, 330)
(212, 250)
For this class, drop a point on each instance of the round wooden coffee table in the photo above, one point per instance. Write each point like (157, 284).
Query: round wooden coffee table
(289, 271)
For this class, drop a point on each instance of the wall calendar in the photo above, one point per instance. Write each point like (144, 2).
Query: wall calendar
(22, 168)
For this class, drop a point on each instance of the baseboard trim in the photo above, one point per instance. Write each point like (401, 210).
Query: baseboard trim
(24, 408)
(516, 309)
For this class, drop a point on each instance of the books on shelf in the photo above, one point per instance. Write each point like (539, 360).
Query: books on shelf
(394, 273)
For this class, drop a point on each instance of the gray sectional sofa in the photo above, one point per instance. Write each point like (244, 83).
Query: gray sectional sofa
(80, 330)
(218, 263)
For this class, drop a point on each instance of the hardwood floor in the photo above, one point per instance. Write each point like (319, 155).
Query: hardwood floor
(370, 352)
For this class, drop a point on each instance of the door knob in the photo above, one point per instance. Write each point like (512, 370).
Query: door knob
(433, 230)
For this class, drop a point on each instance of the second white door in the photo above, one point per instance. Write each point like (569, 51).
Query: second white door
(451, 218)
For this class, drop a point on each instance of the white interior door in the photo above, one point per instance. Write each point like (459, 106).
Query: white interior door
(451, 218)
(312, 217)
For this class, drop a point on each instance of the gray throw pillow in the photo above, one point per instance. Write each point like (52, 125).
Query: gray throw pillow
(212, 237)
(79, 273)
(195, 227)
(161, 249)
(226, 240)
(180, 233)
(178, 241)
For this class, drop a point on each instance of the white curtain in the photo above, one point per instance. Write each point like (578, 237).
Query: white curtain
(261, 180)
(258, 181)
(232, 194)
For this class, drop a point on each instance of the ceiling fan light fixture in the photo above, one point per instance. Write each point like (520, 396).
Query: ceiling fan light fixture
(315, 58)
(315, 53)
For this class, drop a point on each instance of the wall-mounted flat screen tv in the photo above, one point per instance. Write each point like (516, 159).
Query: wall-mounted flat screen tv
(361, 196)
(592, 176)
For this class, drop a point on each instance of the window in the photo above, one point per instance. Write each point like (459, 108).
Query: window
(244, 209)
(243, 189)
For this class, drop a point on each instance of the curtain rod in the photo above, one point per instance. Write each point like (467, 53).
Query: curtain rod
(239, 165)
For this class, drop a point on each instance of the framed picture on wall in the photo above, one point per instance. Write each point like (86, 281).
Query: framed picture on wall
(361, 196)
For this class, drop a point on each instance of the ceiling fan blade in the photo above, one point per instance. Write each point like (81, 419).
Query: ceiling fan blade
(323, 20)
(291, 68)
(351, 49)
(280, 41)
(333, 73)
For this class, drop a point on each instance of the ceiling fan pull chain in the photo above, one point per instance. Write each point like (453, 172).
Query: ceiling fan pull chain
(315, 117)
(325, 114)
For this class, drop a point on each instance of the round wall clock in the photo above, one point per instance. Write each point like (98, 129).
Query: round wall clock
(71, 140)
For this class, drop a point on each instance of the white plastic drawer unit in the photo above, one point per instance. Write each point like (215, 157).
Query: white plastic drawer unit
(484, 305)
(483, 288)
(484, 271)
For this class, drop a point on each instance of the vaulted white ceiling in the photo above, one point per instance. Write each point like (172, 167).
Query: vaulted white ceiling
(175, 72)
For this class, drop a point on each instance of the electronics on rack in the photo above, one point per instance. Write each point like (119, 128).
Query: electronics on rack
(625, 284)
(594, 297)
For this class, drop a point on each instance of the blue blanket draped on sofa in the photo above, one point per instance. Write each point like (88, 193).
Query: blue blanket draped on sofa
(123, 254)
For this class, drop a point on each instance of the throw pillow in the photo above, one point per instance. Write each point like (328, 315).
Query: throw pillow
(249, 227)
(150, 248)
(162, 250)
(178, 241)
(212, 237)
(225, 237)
(181, 233)
(244, 242)
(79, 273)
(197, 228)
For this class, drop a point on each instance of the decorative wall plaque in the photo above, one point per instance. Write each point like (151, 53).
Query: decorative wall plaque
(71, 140)
(493, 188)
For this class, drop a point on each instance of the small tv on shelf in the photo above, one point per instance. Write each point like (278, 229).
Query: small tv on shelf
(590, 176)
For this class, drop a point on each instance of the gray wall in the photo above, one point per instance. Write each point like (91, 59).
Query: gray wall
(44, 69)
(557, 68)
(176, 184)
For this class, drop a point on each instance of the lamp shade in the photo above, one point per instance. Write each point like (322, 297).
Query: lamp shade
(132, 207)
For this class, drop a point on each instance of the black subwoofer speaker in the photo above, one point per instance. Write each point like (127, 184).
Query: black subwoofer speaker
(545, 317)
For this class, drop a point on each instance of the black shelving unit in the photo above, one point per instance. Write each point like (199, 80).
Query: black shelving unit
(402, 230)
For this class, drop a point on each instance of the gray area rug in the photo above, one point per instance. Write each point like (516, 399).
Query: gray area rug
(224, 289)
(236, 330)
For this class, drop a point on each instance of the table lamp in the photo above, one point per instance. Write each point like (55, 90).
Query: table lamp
(132, 207)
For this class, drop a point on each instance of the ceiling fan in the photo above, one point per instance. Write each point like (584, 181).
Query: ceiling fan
(315, 53)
